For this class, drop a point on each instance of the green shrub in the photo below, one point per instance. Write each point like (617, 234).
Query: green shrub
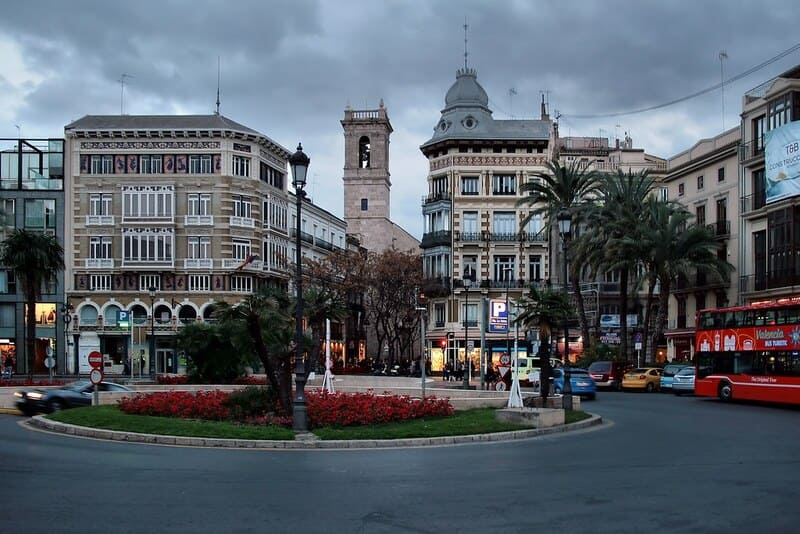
(252, 401)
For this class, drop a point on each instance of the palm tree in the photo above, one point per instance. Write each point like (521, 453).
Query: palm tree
(672, 248)
(615, 222)
(564, 187)
(36, 259)
(545, 309)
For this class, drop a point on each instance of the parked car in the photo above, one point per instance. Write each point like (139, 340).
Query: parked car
(683, 382)
(32, 401)
(608, 373)
(582, 383)
(646, 378)
(669, 371)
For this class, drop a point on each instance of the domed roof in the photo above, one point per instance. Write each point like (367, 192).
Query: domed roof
(466, 91)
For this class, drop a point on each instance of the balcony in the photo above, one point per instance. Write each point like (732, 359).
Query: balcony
(720, 228)
(198, 263)
(236, 265)
(699, 282)
(242, 222)
(437, 197)
(534, 237)
(468, 237)
(436, 287)
(100, 263)
(504, 238)
(752, 150)
(511, 284)
(99, 220)
(440, 238)
(753, 202)
(764, 281)
(198, 220)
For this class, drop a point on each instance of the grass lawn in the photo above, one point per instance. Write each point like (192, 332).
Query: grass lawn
(478, 421)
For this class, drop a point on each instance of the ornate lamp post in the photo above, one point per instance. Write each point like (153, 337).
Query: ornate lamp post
(564, 222)
(152, 341)
(469, 276)
(299, 164)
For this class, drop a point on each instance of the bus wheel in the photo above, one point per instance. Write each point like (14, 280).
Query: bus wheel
(725, 391)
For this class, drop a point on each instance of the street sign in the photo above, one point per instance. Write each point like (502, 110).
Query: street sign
(123, 318)
(96, 376)
(505, 359)
(95, 359)
(470, 346)
(49, 362)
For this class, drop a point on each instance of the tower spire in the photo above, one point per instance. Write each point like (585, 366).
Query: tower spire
(466, 26)
(217, 112)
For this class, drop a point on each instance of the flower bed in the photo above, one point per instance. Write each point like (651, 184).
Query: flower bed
(27, 382)
(324, 409)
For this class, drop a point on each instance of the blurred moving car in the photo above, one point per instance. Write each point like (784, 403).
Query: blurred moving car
(608, 373)
(582, 383)
(33, 401)
(645, 378)
(683, 381)
(669, 371)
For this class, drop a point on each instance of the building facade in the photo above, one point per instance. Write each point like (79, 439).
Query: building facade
(704, 179)
(166, 216)
(32, 198)
(476, 252)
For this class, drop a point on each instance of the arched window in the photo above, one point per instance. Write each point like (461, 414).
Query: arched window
(363, 152)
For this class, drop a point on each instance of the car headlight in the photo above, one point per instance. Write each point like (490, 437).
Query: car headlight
(35, 395)
(19, 394)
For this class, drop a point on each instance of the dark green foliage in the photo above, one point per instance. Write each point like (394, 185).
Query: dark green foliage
(252, 401)
(210, 354)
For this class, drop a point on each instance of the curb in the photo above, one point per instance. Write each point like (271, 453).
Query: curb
(307, 442)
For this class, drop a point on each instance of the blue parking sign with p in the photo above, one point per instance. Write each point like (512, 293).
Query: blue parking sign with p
(498, 316)
(123, 318)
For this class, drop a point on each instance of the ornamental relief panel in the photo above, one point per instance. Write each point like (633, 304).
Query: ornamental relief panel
(487, 160)
(148, 145)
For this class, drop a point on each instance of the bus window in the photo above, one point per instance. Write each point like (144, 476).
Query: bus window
(792, 315)
(707, 320)
(730, 320)
(765, 317)
(744, 318)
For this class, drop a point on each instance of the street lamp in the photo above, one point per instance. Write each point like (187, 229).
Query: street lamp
(564, 222)
(469, 276)
(299, 164)
(152, 341)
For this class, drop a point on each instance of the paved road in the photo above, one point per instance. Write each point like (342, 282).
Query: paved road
(663, 464)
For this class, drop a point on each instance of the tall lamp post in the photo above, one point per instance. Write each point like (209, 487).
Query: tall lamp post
(564, 222)
(469, 275)
(152, 341)
(299, 164)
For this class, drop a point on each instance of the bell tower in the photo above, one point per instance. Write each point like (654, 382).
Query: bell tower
(367, 183)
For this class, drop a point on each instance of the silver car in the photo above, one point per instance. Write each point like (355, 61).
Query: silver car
(683, 381)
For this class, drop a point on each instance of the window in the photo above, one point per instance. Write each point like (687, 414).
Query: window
(699, 301)
(199, 204)
(759, 189)
(241, 166)
(8, 282)
(100, 282)
(469, 185)
(721, 174)
(722, 210)
(147, 201)
(40, 214)
(241, 249)
(680, 189)
(699, 183)
(759, 128)
(364, 152)
(535, 267)
(364, 204)
(100, 204)
(504, 223)
(150, 165)
(198, 247)
(534, 226)
(664, 194)
(100, 248)
(469, 225)
(146, 281)
(700, 215)
(271, 176)
(504, 268)
(780, 111)
(102, 164)
(504, 184)
(200, 164)
(241, 284)
(470, 269)
(438, 314)
(199, 282)
(242, 206)
(147, 245)
(470, 313)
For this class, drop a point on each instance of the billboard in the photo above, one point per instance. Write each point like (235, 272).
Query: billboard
(782, 158)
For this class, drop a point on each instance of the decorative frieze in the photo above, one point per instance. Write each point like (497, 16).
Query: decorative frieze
(149, 145)
(487, 160)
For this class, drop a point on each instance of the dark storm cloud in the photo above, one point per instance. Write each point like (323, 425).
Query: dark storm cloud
(289, 68)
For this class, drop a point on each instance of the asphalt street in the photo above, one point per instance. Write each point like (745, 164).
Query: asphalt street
(661, 463)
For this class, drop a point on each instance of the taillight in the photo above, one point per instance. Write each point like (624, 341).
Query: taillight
(642, 377)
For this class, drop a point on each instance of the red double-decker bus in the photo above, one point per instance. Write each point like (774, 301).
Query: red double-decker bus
(749, 353)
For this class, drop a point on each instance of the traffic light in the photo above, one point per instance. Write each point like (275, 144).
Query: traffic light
(422, 300)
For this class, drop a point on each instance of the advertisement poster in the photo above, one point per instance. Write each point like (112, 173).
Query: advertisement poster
(782, 158)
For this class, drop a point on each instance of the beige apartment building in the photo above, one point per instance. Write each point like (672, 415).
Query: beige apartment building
(165, 217)
(704, 179)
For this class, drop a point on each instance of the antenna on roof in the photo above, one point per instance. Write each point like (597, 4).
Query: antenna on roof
(511, 93)
(217, 112)
(465, 43)
(722, 55)
(122, 91)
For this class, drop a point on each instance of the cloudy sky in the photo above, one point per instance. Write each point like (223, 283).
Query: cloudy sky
(289, 68)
